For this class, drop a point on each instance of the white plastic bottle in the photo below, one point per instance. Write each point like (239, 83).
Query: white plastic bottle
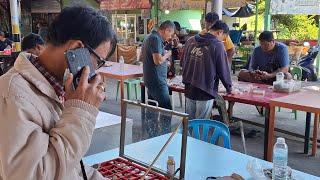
(280, 160)
(170, 167)
(121, 61)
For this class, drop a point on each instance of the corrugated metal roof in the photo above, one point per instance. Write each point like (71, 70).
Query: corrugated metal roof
(45, 6)
(124, 4)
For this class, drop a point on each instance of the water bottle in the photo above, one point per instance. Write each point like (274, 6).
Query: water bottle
(121, 61)
(170, 167)
(280, 160)
(279, 76)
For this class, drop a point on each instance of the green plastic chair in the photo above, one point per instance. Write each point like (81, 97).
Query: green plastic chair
(296, 73)
(130, 83)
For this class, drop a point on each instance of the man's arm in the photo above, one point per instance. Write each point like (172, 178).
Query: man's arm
(156, 49)
(159, 59)
(228, 44)
(222, 67)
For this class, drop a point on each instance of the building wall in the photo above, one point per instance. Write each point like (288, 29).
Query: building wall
(189, 19)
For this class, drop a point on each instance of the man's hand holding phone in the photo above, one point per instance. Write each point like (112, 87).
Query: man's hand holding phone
(90, 92)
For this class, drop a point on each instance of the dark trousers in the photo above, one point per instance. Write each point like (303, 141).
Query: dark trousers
(158, 123)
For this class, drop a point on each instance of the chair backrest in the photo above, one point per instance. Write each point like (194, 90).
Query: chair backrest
(296, 72)
(235, 36)
(209, 131)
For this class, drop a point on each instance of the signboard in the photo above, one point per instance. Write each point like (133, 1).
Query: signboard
(110, 5)
(182, 4)
(309, 7)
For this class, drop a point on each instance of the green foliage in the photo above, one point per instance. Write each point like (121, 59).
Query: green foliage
(298, 27)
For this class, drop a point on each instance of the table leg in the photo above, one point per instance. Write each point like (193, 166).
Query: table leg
(269, 132)
(315, 134)
(307, 133)
(171, 98)
(143, 94)
(122, 95)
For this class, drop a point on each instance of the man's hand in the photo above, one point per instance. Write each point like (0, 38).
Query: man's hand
(266, 75)
(89, 92)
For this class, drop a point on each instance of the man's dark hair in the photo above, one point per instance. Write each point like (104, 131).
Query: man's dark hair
(211, 17)
(80, 23)
(2, 33)
(220, 25)
(167, 25)
(266, 36)
(31, 41)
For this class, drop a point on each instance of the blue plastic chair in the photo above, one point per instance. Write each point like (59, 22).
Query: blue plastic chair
(219, 130)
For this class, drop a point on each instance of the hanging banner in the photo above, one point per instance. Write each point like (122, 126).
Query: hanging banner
(309, 7)
(111, 5)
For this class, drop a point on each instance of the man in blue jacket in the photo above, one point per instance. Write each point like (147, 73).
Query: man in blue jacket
(205, 62)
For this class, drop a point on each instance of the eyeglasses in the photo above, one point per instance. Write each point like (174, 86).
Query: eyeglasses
(101, 61)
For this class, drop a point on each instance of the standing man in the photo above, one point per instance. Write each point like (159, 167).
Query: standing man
(205, 62)
(4, 42)
(155, 62)
(210, 19)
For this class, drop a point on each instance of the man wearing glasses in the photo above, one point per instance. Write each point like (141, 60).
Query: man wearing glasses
(46, 126)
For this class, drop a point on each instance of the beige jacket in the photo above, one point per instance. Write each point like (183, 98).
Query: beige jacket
(39, 138)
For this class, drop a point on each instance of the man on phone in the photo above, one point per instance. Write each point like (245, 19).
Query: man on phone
(155, 60)
(46, 126)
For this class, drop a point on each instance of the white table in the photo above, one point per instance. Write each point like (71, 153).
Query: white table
(106, 135)
(203, 159)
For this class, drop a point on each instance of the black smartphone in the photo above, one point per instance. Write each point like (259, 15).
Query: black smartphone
(77, 59)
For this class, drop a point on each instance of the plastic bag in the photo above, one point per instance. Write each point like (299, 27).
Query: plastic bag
(256, 170)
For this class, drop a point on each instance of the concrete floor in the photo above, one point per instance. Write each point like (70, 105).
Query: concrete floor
(285, 120)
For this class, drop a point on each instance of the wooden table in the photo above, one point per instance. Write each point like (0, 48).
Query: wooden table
(306, 100)
(114, 71)
(203, 159)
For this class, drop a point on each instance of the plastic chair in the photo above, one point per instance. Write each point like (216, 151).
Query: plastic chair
(200, 129)
(296, 73)
(235, 36)
(129, 83)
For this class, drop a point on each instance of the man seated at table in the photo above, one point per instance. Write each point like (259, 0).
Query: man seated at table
(205, 62)
(4, 42)
(210, 19)
(33, 44)
(267, 60)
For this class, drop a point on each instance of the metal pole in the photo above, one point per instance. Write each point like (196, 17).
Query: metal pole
(318, 57)
(256, 22)
(15, 16)
(267, 16)
(217, 7)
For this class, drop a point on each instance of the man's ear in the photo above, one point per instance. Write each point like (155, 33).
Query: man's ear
(74, 44)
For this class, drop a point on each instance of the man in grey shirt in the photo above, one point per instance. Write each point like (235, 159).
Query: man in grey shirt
(155, 61)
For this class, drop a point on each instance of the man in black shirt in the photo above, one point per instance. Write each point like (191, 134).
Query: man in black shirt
(4, 42)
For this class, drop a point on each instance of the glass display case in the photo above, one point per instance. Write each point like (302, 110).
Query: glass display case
(125, 26)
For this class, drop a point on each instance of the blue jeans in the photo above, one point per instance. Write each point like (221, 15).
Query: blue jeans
(158, 124)
(199, 109)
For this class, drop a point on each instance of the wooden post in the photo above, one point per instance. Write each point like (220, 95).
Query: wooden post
(15, 17)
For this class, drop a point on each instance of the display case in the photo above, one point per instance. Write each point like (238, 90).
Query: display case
(125, 26)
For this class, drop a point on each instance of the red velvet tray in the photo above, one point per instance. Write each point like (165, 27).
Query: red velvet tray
(122, 169)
